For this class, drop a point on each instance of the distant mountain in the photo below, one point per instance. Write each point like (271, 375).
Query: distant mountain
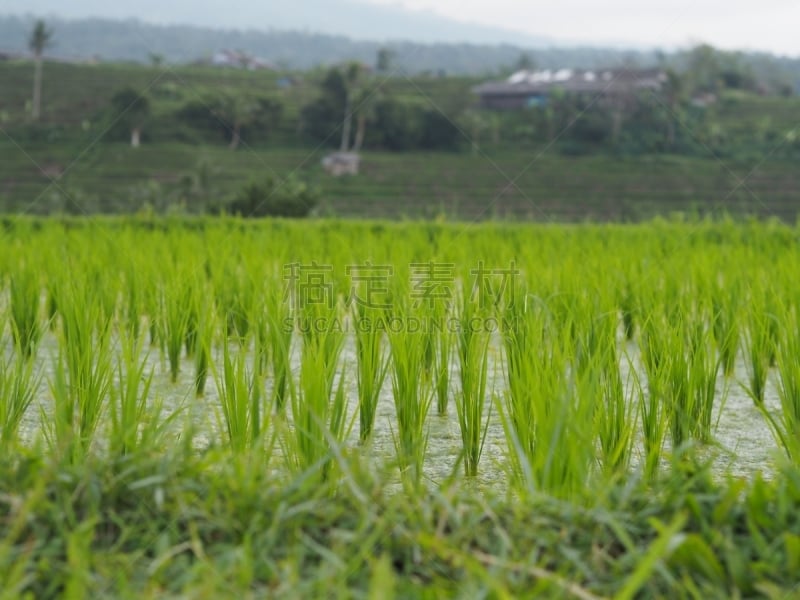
(133, 40)
(351, 18)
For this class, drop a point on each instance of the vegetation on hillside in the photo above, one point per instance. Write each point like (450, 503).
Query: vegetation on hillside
(447, 156)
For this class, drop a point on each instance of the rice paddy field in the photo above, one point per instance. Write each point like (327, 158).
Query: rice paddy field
(215, 408)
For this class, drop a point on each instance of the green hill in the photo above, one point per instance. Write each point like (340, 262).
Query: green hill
(72, 154)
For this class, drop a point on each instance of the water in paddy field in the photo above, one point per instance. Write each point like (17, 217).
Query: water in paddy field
(745, 442)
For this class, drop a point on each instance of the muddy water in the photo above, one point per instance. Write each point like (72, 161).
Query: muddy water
(745, 443)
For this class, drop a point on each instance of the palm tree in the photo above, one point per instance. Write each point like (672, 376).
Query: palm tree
(39, 40)
(365, 110)
(351, 77)
(384, 60)
(674, 91)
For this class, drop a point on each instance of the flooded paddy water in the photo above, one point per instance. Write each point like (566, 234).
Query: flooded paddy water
(742, 441)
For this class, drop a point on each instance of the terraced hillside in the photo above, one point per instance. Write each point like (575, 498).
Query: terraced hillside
(68, 163)
(511, 185)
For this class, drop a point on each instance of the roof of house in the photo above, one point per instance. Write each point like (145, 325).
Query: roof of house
(574, 80)
(239, 59)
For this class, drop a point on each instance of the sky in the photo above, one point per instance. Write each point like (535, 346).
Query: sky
(771, 25)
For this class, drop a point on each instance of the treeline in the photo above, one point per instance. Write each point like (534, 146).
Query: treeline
(113, 40)
(707, 105)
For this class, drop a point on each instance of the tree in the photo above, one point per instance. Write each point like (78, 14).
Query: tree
(237, 111)
(266, 118)
(398, 124)
(232, 117)
(39, 40)
(156, 59)
(269, 197)
(525, 63)
(132, 110)
(438, 131)
(703, 69)
(197, 186)
(365, 103)
(673, 92)
(341, 94)
(383, 62)
(352, 76)
(475, 123)
(321, 117)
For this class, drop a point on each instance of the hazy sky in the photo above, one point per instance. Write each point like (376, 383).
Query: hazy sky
(772, 25)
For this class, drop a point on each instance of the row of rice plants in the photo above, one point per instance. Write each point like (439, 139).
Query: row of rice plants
(562, 347)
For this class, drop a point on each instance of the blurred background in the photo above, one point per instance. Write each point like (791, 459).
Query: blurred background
(401, 109)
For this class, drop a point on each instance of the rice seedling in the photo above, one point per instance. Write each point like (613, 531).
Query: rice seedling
(191, 301)
(279, 340)
(429, 349)
(260, 326)
(203, 343)
(627, 305)
(133, 303)
(522, 345)
(787, 426)
(105, 291)
(548, 413)
(153, 306)
(589, 333)
(704, 366)
(771, 308)
(677, 393)
(473, 354)
(51, 307)
(654, 426)
(444, 341)
(174, 323)
(757, 351)
(235, 293)
(18, 386)
(412, 401)
(613, 411)
(25, 300)
(654, 353)
(243, 415)
(319, 406)
(725, 306)
(82, 373)
(134, 425)
(576, 401)
(372, 365)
